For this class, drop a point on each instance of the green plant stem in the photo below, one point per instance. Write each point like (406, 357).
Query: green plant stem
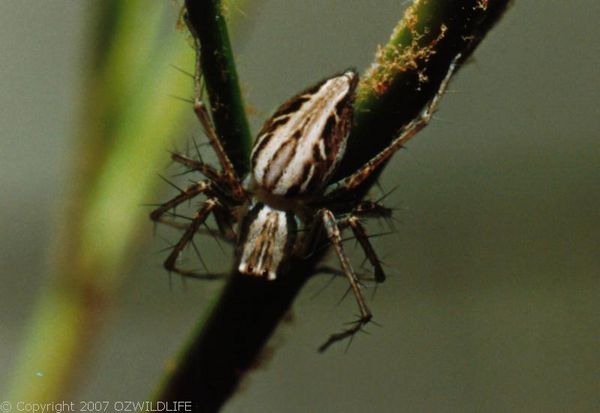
(127, 122)
(408, 70)
(208, 24)
(406, 76)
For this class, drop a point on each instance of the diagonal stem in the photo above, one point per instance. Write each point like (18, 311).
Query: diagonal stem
(406, 75)
(409, 69)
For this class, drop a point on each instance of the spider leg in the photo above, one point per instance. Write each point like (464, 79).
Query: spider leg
(203, 116)
(201, 231)
(200, 216)
(225, 233)
(333, 233)
(220, 183)
(372, 209)
(188, 193)
(229, 173)
(361, 235)
(205, 169)
(406, 133)
(225, 222)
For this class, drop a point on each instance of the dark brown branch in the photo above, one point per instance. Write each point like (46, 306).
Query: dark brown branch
(231, 340)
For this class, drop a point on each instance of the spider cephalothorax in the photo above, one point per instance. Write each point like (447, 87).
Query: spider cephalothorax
(273, 214)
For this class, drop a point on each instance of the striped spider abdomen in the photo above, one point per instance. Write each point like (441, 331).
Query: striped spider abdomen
(298, 148)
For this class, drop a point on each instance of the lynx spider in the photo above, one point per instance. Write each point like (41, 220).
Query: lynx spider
(293, 158)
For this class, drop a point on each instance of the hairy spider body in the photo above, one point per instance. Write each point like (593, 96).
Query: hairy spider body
(287, 198)
(296, 151)
(299, 146)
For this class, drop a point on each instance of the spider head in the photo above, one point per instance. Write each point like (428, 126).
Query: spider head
(266, 240)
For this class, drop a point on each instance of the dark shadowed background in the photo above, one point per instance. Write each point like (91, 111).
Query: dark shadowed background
(492, 303)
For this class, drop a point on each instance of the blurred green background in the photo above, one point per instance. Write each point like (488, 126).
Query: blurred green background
(492, 303)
